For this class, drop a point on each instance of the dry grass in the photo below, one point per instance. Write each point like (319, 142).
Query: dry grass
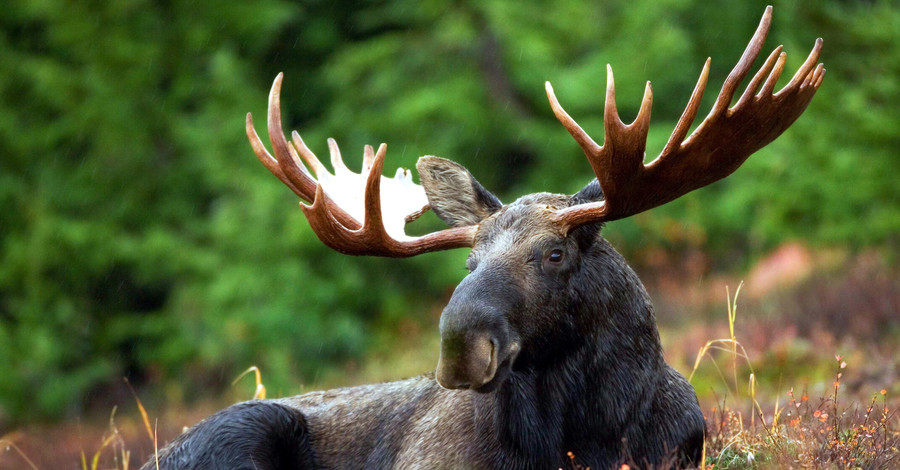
(827, 434)
(799, 434)
(9, 442)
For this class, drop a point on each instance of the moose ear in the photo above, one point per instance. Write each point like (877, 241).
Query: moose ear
(454, 195)
(590, 193)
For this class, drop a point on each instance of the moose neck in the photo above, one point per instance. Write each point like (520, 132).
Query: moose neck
(589, 391)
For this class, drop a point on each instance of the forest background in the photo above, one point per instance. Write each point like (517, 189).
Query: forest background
(140, 238)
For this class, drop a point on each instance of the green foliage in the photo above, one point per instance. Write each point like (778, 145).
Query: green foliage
(118, 129)
(139, 237)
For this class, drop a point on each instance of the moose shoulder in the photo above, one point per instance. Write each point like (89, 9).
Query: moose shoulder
(549, 345)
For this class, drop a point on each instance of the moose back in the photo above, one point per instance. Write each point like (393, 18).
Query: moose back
(549, 345)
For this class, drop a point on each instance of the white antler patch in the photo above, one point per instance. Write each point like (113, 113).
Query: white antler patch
(402, 200)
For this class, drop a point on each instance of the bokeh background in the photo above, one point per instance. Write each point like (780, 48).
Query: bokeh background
(140, 238)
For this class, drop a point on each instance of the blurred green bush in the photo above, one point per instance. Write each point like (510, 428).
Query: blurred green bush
(139, 237)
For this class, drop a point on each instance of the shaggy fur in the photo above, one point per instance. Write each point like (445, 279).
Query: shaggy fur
(573, 337)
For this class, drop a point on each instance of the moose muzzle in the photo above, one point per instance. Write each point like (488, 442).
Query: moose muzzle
(467, 362)
(477, 344)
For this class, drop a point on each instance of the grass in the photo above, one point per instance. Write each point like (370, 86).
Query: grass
(8, 441)
(115, 443)
(829, 434)
(825, 435)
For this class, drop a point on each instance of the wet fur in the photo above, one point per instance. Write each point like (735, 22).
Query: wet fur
(590, 380)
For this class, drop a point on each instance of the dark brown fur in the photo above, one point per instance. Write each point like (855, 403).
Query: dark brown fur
(573, 346)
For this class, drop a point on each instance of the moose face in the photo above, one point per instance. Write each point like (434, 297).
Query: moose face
(512, 309)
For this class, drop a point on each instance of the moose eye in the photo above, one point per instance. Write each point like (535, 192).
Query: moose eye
(555, 256)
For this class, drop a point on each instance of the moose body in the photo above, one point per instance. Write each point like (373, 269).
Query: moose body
(593, 376)
(549, 346)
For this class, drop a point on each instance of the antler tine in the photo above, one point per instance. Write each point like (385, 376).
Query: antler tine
(374, 220)
(689, 114)
(266, 158)
(308, 156)
(296, 158)
(804, 69)
(774, 75)
(611, 119)
(280, 144)
(820, 74)
(770, 71)
(584, 140)
(743, 66)
(719, 145)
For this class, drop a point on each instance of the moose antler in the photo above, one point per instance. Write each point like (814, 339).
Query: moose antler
(719, 145)
(346, 211)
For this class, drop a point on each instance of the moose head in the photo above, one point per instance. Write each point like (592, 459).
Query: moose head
(549, 344)
(527, 255)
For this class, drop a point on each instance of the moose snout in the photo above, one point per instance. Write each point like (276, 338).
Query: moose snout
(467, 362)
(478, 344)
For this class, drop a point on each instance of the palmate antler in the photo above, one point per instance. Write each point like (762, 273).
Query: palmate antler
(347, 214)
(719, 145)
(346, 211)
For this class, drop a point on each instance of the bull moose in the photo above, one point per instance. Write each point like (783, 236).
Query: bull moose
(549, 345)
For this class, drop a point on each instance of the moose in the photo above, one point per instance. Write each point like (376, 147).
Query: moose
(549, 345)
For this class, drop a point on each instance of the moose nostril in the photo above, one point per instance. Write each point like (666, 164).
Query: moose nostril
(492, 358)
(467, 362)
